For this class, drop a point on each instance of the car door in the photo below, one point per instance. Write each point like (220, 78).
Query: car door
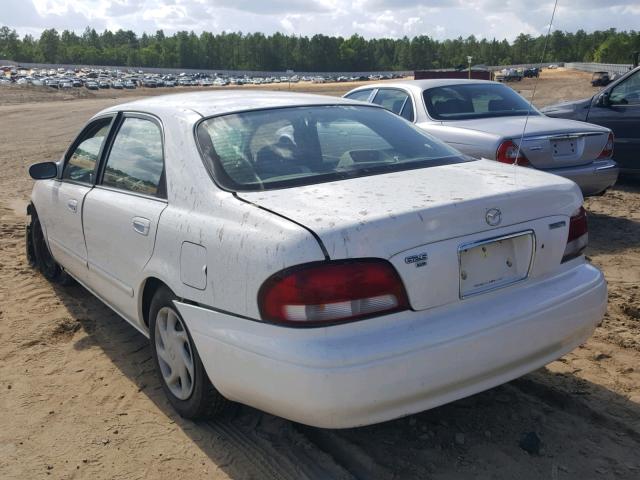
(62, 210)
(121, 213)
(622, 115)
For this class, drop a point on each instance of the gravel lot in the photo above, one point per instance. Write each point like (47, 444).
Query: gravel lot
(80, 398)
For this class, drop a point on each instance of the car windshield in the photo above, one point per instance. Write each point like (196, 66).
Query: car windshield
(470, 101)
(286, 147)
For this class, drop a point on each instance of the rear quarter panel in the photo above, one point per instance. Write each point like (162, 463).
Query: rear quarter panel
(244, 244)
(471, 142)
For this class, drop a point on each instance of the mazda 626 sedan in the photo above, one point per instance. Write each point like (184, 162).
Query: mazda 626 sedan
(320, 259)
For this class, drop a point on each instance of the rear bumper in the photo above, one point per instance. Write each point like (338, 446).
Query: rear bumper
(387, 367)
(593, 178)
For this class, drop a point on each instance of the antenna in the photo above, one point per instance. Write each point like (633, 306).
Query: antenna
(535, 84)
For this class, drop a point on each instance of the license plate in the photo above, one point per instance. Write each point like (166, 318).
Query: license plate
(495, 263)
(564, 147)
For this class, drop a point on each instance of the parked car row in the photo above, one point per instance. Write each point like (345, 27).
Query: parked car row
(516, 74)
(94, 79)
(509, 75)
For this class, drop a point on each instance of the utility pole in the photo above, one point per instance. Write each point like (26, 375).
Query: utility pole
(469, 58)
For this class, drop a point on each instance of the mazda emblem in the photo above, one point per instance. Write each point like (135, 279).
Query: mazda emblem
(493, 217)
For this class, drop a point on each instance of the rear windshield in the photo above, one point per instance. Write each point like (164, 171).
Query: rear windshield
(293, 146)
(469, 101)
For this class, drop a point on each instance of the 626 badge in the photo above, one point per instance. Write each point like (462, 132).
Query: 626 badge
(420, 260)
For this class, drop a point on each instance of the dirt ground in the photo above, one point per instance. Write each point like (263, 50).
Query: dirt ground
(79, 397)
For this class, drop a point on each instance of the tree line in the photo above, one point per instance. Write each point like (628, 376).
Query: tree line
(279, 52)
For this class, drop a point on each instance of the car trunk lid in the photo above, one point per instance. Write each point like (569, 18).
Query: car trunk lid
(435, 218)
(381, 215)
(548, 142)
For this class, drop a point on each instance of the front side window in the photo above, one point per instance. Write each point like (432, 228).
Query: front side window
(286, 147)
(81, 161)
(136, 162)
(470, 101)
(627, 92)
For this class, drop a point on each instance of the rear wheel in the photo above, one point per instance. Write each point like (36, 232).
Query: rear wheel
(38, 254)
(181, 372)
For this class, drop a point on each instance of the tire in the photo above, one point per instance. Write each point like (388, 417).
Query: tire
(195, 398)
(28, 243)
(38, 255)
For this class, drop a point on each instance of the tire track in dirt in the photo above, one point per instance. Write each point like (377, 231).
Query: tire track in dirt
(276, 449)
(356, 460)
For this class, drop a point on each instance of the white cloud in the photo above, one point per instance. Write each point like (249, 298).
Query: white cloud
(289, 23)
(370, 18)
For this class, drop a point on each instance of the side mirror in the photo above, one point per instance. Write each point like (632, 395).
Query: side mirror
(603, 100)
(43, 170)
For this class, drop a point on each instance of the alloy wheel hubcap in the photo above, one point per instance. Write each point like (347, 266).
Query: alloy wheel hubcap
(174, 353)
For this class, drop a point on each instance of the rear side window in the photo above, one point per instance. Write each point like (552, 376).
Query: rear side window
(81, 161)
(136, 161)
(407, 111)
(361, 95)
(391, 99)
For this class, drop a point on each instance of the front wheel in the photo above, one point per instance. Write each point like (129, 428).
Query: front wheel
(180, 369)
(38, 254)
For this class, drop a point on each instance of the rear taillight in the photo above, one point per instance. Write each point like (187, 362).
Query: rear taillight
(607, 151)
(508, 153)
(331, 292)
(578, 235)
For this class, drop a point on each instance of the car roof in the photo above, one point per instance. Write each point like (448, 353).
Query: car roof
(218, 102)
(420, 85)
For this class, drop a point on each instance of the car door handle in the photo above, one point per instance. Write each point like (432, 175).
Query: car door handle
(141, 225)
(72, 204)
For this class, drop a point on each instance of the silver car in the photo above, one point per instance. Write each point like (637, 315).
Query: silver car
(486, 119)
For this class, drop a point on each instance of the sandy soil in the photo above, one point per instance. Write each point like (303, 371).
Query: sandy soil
(79, 398)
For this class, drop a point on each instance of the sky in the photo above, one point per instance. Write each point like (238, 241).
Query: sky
(439, 19)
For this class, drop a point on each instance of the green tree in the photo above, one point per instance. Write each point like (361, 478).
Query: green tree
(256, 51)
(9, 43)
(49, 45)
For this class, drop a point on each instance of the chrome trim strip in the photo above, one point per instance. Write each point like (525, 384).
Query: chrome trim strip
(129, 192)
(565, 136)
(467, 246)
(606, 167)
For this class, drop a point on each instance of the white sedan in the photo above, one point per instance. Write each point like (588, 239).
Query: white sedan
(317, 258)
